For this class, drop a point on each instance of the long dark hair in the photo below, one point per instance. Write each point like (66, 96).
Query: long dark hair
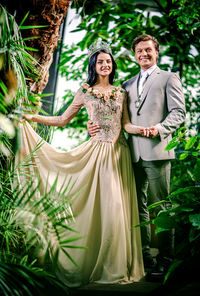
(92, 74)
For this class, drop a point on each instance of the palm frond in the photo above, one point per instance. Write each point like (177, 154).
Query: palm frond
(19, 280)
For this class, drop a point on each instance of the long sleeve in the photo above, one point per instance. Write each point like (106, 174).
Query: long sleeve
(127, 125)
(175, 105)
(62, 120)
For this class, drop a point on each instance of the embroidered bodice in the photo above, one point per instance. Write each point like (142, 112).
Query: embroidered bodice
(105, 112)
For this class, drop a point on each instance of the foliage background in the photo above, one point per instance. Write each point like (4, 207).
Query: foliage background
(174, 23)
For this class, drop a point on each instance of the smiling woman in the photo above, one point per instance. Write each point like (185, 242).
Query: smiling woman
(104, 64)
(102, 67)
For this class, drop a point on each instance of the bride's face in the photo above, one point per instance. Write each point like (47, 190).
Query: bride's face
(103, 64)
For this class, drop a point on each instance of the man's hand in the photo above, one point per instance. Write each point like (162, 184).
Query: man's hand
(151, 132)
(92, 128)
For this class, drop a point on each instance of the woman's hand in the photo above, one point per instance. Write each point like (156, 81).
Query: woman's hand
(139, 130)
(27, 117)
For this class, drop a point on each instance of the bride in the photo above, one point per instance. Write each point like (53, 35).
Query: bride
(106, 208)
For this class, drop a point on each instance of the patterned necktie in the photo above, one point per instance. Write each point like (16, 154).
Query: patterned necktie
(142, 82)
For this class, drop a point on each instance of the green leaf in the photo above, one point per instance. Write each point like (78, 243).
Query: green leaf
(172, 268)
(26, 16)
(157, 204)
(31, 38)
(127, 15)
(195, 220)
(198, 146)
(30, 48)
(72, 239)
(183, 156)
(70, 257)
(75, 247)
(143, 223)
(194, 234)
(190, 143)
(172, 144)
(185, 190)
(164, 222)
(196, 154)
(196, 172)
(32, 27)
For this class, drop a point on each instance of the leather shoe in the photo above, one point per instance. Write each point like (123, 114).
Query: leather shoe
(148, 262)
(158, 272)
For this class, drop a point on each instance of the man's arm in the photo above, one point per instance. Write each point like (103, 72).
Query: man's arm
(92, 128)
(176, 109)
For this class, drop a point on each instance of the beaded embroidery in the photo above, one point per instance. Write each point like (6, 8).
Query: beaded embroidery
(105, 112)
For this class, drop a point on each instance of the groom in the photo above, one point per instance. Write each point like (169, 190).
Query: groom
(158, 104)
(155, 101)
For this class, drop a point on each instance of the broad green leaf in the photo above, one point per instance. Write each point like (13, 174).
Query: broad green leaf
(183, 156)
(190, 143)
(195, 154)
(164, 222)
(198, 146)
(172, 144)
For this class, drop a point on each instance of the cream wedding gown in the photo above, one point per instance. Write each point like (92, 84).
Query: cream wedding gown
(106, 208)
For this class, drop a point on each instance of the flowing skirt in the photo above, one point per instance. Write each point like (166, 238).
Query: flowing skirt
(105, 208)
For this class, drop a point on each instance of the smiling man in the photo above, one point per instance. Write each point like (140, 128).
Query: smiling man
(156, 102)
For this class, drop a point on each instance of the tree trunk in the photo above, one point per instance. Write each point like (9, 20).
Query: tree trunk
(50, 14)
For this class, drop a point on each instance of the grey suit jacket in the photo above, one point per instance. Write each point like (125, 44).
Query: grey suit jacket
(162, 105)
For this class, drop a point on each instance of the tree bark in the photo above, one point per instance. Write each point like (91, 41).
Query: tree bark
(50, 13)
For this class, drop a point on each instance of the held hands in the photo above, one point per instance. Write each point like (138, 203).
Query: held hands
(150, 132)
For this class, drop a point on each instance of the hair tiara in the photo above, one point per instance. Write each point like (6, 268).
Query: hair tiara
(98, 45)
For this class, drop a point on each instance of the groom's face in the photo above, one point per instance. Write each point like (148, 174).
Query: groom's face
(146, 54)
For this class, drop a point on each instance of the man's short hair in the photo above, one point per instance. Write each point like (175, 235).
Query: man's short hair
(145, 37)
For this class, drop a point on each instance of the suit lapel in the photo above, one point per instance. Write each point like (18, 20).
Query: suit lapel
(134, 87)
(147, 86)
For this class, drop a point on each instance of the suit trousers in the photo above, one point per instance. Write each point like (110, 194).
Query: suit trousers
(153, 185)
